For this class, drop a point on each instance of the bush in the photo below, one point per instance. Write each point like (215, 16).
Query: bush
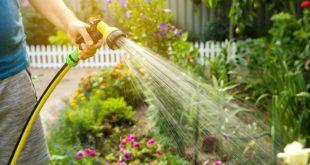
(216, 29)
(95, 122)
(37, 28)
(116, 111)
(281, 88)
(155, 30)
(115, 82)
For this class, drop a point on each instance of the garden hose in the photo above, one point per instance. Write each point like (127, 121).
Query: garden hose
(97, 30)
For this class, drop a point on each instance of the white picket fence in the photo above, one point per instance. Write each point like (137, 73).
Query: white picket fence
(53, 56)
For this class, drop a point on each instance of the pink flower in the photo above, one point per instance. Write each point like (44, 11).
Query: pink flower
(90, 152)
(130, 138)
(121, 163)
(305, 4)
(151, 141)
(127, 155)
(79, 154)
(122, 144)
(159, 152)
(217, 163)
(136, 144)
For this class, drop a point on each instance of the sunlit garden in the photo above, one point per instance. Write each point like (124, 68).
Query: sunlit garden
(168, 102)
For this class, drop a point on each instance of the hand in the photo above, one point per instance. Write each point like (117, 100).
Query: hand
(89, 48)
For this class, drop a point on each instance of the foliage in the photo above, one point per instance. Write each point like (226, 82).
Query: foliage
(116, 111)
(60, 38)
(90, 9)
(216, 29)
(281, 88)
(243, 12)
(154, 30)
(115, 82)
(220, 65)
(96, 121)
(37, 28)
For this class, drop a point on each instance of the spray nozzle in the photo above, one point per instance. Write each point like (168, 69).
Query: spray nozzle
(110, 34)
(98, 29)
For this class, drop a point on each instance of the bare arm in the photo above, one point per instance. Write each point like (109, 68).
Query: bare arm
(55, 11)
(60, 15)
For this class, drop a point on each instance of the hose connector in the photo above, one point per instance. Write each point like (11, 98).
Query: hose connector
(110, 34)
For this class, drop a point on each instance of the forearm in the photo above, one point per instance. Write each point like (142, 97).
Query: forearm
(55, 11)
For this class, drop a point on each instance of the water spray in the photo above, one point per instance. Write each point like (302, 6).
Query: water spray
(98, 30)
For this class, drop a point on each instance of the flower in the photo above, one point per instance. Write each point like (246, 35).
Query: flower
(109, 1)
(217, 163)
(130, 138)
(127, 155)
(164, 26)
(159, 152)
(148, 1)
(86, 85)
(128, 14)
(163, 34)
(246, 57)
(180, 33)
(136, 144)
(150, 141)
(79, 154)
(90, 152)
(124, 3)
(122, 144)
(295, 154)
(305, 4)
(121, 163)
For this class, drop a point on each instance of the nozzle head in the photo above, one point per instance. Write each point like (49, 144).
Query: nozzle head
(110, 34)
(113, 37)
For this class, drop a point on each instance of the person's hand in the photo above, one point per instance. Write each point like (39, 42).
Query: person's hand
(89, 48)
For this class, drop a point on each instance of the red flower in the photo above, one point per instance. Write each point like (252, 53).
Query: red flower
(305, 4)
(159, 152)
(246, 57)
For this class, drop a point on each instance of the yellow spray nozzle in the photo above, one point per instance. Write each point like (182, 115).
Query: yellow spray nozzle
(105, 29)
(100, 29)
(110, 34)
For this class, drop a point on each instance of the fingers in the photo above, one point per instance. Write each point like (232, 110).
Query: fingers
(89, 51)
(88, 40)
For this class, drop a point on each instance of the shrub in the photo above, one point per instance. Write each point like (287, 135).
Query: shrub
(216, 29)
(116, 111)
(91, 122)
(37, 28)
(282, 87)
(155, 30)
(115, 82)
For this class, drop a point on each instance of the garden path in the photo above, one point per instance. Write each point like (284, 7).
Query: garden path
(65, 90)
